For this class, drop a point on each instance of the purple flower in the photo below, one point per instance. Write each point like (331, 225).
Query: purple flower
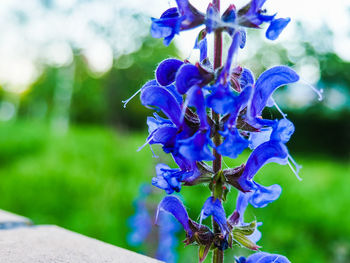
(174, 20)
(168, 241)
(170, 179)
(212, 20)
(167, 26)
(252, 15)
(140, 222)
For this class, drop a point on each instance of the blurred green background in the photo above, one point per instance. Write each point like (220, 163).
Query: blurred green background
(68, 147)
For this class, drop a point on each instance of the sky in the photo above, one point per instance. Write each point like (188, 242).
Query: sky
(42, 32)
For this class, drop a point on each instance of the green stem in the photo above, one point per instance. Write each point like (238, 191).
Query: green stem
(218, 255)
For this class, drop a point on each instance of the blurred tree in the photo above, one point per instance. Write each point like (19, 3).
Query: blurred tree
(127, 76)
(95, 99)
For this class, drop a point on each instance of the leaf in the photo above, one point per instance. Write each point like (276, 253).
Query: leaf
(203, 252)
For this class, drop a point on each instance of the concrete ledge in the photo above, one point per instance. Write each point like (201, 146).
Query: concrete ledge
(52, 244)
(21, 242)
(10, 220)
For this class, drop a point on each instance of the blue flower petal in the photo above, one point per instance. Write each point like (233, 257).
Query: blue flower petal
(258, 138)
(213, 207)
(175, 93)
(187, 76)
(229, 16)
(233, 145)
(267, 83)
(236, 40)
(262, 195)
(246, 78)
(156, 122)
(196, 99)
(254, 14)
(166, 71)
(221, 99)
(212, 20)
(158, 97)
(196, 148)
(259, 197)
(193, 16)
(239, 103)
(166, 136)
(276, 27)
(167, 25)
(243, 38)
(271, 151)
(282, 131)
(255, 5)
(174, 206)
(242, 204)
(202, 45)
(262, 257)
(167, 179)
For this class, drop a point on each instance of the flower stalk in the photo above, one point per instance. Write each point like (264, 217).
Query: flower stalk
(184, 93)
(218, 255)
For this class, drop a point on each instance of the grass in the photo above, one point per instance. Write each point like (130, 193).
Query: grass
(86, 180)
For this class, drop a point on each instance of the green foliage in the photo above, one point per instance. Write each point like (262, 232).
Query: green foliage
(86, 180)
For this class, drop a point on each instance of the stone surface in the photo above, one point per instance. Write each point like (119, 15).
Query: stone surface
(52, 244)
(9, 220)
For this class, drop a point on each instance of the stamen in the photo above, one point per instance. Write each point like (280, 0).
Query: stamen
(279, 109)
(143, 146)
(297, 166)
(154, 154)
(125, 102)
(223, 161)
(318, 92)
(295, 171)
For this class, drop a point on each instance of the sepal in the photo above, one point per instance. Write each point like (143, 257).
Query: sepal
(244, 241)
(203, 252)
(232, 176)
